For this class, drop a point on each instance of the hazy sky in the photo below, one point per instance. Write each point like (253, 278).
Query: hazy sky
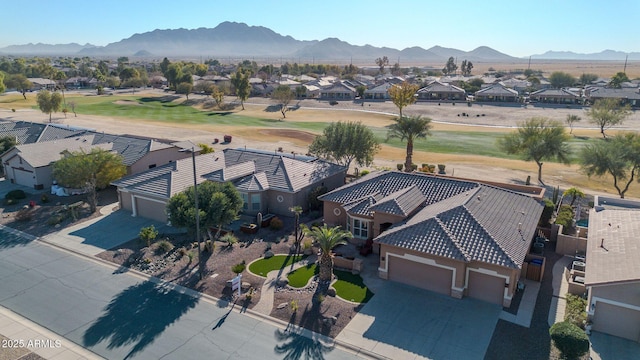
(518, 28)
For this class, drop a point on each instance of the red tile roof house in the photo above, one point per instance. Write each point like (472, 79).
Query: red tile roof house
(452, 236)
(612, 271)
(268, 182)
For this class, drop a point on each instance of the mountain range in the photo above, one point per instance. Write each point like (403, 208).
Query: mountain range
(231, 39)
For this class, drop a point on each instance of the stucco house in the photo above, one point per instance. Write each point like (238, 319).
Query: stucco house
(612, 272)
(452, 236)
(629, 96)
(436, 91)
(556, 96)
(30, 164)
(496, 93)
(338, 91)
(380, 92)
(268, 182)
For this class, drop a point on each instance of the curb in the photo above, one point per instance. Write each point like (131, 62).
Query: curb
(195, 294)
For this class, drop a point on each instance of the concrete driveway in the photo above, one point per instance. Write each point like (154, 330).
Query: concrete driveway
(403, 322)
(105, 232)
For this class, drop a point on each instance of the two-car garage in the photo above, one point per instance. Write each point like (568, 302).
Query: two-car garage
(617, 320)
(429, 274)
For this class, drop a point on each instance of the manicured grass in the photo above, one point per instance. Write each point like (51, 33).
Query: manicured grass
(264, 266)
(299, 278)
(348, 286)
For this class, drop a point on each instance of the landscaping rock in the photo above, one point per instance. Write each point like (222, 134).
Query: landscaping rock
(331, 292)
(330, 321)
(245, 286)
(282, 306)
(268, 254)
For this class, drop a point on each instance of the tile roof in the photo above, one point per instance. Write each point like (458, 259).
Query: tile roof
(613, 93)
(613, 247)
(249, 170)
(555, 93)
(437, 86)
(24, 132)
(497, 89)
(462, 220)
(43, 154)
(172, 178)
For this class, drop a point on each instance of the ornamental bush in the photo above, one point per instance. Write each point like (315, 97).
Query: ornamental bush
(569, 339)
(15, 195)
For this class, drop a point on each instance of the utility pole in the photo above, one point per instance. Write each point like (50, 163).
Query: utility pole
(625, 64)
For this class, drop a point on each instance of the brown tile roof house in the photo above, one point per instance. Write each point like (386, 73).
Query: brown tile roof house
(556, 96)
(268, 182)
(612, 272)
(453, 236)
(625, 95)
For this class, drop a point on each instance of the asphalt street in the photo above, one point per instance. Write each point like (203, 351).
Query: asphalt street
(121, 316)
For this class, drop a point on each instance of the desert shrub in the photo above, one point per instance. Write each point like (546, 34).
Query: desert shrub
(182, 251)
(547, 213)
(575, 312)
(15, 195)
(239, 267)
(294, 305)
(165, 246)
(55, 219)
(414, 167)
(44, 199)
(209, 246)
(399, 167)
(314, 203)
(572, 341)
(24, 214)
(229, 238)
(148, 234)
(441, 168)
(364, 172)
(306, 244)
(565, 218)
(190, 254)
(276, 224)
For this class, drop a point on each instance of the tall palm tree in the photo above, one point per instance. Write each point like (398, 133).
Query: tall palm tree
(297, 210)
(327, 239)
(409, 129)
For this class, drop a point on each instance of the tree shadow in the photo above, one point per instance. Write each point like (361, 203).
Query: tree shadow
(137, 316)
(295, 345)
(10, 239)
(162, 99)
(272, 108)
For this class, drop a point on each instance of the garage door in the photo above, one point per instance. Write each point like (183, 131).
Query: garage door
(617, 321)
(151, 210)
(486, 287)
(420, 275)
(23, 177)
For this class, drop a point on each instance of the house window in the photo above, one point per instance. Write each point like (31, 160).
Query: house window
(359, 228)
(245, 201)
(255, 202)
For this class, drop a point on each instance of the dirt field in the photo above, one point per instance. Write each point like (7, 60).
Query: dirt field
(376, 114)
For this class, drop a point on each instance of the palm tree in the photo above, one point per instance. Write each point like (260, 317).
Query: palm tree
(574, 193)
(297, 210)
(409, 129)
(327, 239)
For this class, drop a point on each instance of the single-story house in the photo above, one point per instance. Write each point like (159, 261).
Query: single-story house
(40, 145)
(380, 92)
(437, 91)
(629, 96)
(496, 93)
(516, 84)
(40, 83)
(268, 182)
(452, 236)
(612, 272)
(556, 96)
(30, 164)
(78, 82)
(338, 91)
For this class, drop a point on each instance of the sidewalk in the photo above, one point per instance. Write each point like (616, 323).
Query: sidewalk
(30, 337)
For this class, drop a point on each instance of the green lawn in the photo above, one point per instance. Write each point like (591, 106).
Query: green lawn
(164, 109)
(263, 266)
(348, 286)
(299, 278)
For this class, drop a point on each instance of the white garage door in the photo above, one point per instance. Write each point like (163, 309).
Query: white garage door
(149, 209)
(420, 275)
(617, 321)
(23, 177)
(486, 287)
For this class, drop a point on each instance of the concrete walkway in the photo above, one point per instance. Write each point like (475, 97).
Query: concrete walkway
(527, 305)
(52, 346)
(265, 304)
(560, 289)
